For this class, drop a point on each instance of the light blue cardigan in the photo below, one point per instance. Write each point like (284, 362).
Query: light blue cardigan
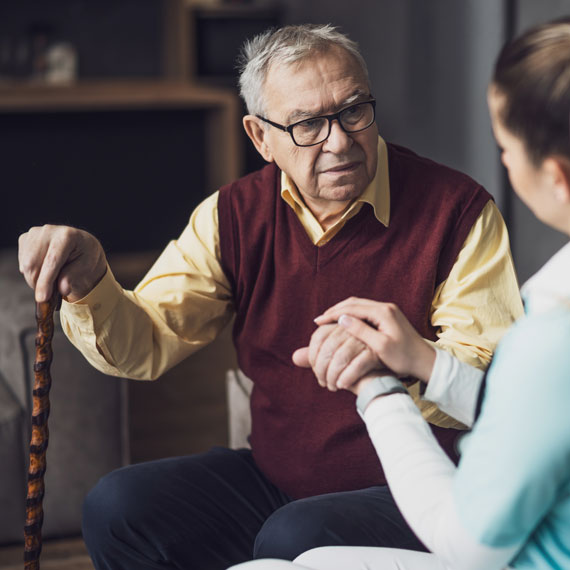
(523, 432)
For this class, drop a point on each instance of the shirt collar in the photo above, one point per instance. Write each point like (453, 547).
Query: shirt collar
(550, 286)
(377, 193)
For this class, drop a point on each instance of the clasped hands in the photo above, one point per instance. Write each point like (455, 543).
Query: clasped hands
(358, 339)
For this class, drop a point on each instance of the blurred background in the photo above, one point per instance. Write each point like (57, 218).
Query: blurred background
(119, 116)
(86, 165)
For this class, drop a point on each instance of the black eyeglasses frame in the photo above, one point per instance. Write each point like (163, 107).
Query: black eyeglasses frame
(330, 118)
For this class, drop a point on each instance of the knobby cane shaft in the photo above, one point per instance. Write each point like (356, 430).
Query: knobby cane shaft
(40, 435)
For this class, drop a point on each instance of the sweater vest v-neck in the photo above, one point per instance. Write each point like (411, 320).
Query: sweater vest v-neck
(307, 440)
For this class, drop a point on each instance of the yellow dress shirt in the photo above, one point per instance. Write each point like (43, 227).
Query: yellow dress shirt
(185, 300)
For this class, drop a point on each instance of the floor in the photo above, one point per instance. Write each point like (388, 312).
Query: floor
(56, 555)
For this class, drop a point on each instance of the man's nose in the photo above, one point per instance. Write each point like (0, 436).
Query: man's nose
(338, 139)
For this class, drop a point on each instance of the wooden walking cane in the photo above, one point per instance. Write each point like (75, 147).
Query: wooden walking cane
(40, 434)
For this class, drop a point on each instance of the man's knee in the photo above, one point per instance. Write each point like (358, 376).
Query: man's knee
(176, 510)
(368, 517)
(293, 529)
(107, 505)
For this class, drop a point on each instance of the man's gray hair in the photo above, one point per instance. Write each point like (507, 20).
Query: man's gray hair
(286, 46)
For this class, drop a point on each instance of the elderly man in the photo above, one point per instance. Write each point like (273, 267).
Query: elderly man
(338, 212)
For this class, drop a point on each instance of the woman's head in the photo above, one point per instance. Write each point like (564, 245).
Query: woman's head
(529, 101)
(532, 80)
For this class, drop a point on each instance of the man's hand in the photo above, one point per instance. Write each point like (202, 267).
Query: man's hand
(337, 358)
(387, 332)
(66, 258)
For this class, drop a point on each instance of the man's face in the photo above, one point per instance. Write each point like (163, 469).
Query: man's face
(340, 168)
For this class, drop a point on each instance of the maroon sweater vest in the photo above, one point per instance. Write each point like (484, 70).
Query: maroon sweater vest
(308, 440)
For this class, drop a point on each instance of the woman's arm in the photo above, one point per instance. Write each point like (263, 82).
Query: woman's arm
(421, 478)
(515, 465)
(451, 384)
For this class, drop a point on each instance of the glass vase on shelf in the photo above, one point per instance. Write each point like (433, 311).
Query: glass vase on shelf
(61, 60)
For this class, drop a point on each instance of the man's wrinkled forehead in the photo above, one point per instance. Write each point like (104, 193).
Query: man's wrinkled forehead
(359, 95)
(304, 110)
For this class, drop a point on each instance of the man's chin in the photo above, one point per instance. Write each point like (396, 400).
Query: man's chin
(343, 192)
(342, 187)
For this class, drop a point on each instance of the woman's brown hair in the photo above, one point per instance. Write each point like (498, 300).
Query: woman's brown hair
(532, 73)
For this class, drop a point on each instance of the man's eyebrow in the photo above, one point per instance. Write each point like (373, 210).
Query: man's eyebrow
(358, 97)
(300, 115)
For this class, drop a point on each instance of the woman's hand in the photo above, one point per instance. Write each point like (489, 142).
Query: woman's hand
(337, 358)
(388, 333)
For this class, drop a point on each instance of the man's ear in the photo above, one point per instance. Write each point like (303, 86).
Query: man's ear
(257, 133)
(557, 169)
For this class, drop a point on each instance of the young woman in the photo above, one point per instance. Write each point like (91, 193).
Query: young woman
(507, 503)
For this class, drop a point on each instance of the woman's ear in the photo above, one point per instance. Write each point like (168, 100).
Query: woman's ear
(557, 169)
(258, 134)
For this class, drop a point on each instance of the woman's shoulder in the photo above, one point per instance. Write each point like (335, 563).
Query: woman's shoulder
(537, 346)
(544, 330)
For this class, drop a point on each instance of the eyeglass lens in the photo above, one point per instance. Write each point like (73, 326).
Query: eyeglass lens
(316, 130)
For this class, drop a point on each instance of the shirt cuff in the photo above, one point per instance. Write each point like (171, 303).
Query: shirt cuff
(454, 386)
(97, 305)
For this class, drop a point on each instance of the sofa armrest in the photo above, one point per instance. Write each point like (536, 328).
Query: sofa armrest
(13, 462)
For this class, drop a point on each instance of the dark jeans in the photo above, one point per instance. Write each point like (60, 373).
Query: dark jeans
(209, 511)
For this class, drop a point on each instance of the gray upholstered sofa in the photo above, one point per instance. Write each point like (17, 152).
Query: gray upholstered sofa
(87, 423)
(91, 427)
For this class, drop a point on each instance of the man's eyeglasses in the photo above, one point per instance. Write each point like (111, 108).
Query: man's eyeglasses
(316, 130)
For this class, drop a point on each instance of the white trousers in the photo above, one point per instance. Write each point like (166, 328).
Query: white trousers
(351, 558)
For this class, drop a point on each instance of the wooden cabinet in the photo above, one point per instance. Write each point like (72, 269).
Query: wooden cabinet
(187, 99)
(202, 39)
(115, 157)
(220, 108)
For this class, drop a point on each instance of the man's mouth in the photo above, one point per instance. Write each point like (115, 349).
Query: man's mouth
(342, 168)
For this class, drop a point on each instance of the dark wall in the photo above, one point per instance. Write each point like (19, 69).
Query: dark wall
(131, 178)
(533, 241)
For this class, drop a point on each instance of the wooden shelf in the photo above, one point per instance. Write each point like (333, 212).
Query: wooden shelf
(110, 94)
(221, 107)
